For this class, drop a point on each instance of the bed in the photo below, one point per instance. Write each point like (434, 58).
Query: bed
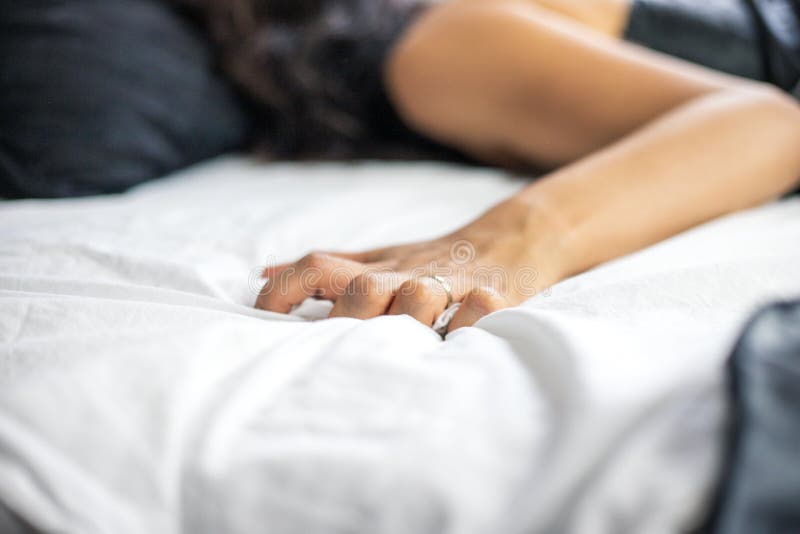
(140, 392)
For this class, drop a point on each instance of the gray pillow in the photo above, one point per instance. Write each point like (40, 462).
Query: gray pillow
(96, 96)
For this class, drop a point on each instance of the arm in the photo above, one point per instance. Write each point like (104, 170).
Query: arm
(713, 155)
(645, 147)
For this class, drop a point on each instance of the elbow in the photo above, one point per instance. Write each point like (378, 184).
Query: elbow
(772, 102)
(770, 115)
(775, 123)
(784, 113)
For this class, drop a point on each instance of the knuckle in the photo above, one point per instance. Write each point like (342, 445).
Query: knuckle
(314, 260)
(416, 291)
(406, 288)
(363, 289)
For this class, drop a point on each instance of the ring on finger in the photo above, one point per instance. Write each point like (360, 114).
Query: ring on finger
(445, 285)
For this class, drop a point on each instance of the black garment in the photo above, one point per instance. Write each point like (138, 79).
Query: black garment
(757, 39)
(99, 95)
(780, 24)
(761, 490)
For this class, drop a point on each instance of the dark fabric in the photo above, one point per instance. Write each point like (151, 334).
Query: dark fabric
(99, 95)
(761, 490)
(756, 39)
(780, 23)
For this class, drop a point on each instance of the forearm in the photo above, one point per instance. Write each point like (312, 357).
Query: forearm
(719, 153)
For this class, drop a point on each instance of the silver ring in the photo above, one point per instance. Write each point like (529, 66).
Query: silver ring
(446, 285)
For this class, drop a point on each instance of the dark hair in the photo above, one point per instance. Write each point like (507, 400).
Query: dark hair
(314, 69)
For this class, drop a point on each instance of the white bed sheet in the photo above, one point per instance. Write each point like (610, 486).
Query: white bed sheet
(140, 393)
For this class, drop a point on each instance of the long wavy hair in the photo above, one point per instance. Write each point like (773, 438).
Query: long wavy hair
(314, 68)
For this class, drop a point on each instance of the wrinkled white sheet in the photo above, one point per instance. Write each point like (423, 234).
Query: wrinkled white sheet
(140, 393)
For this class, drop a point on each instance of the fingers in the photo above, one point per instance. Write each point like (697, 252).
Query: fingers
(478, 303)
(421, 298)
(316, 275)
(368, 295)
(361, 292)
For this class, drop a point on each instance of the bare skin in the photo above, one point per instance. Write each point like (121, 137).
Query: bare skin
(642, 146)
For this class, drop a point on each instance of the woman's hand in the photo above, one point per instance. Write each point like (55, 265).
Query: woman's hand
(495, 262)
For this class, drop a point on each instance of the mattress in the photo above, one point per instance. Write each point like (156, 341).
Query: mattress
(140, 391)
